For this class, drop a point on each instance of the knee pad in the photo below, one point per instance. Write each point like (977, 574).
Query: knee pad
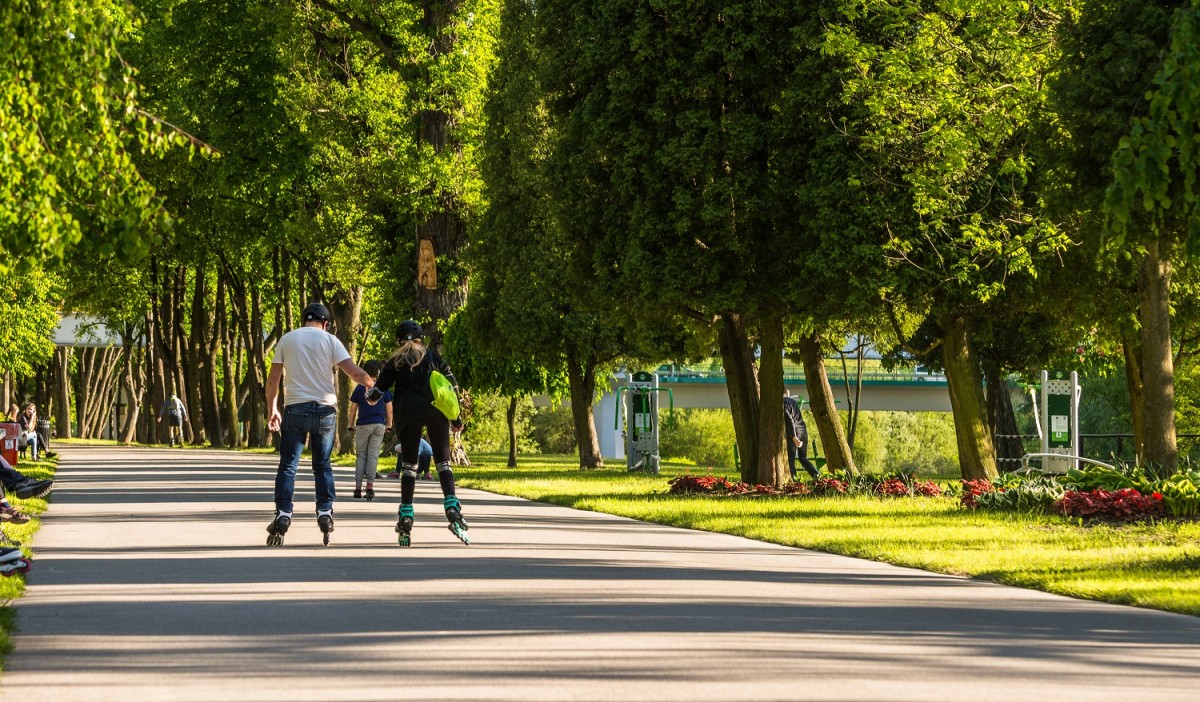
(410, 471)
(443, 467)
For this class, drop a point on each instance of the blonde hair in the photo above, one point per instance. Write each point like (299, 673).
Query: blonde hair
(409, 353)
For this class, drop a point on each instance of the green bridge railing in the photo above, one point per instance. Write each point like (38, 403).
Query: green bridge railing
(676, 374)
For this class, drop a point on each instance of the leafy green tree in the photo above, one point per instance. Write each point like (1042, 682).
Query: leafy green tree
(70, 120)
(665, 163)
(1153, 200)
(437, 55)
(945, 94)
(524, 304)
(28, 306)
(481, 371)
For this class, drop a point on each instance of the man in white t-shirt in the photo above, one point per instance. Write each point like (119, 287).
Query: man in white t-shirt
(304, 360)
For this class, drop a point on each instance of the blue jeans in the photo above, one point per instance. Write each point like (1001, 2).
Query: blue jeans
(314, 424)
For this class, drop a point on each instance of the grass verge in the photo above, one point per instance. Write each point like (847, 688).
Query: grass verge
(13, 587)
(1151, 565)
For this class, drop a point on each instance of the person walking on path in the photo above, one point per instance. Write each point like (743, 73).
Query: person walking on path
(407, 373)
(175, 413)
(369, 422)
(304, 361)
(797, 436)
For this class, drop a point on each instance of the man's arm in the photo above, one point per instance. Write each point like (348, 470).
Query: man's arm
(389, 415)
(350, 368)
(273, 378)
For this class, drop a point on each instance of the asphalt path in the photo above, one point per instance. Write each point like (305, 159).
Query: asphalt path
(152, 581)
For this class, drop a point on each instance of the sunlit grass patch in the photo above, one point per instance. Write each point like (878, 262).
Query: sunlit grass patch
(1153, 565)
(13, 587)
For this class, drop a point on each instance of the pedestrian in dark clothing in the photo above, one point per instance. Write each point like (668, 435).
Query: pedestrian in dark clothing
(797, 437)
(175, 413)
(407, 374)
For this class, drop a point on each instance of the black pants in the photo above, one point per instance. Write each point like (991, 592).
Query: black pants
(800, 452)
(408, 432)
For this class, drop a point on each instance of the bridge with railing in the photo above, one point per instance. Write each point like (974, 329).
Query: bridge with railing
(895, 391)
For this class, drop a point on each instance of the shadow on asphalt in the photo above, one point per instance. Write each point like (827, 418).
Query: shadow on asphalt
(321, 631)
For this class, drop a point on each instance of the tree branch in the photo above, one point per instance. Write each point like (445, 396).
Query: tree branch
(385, 43)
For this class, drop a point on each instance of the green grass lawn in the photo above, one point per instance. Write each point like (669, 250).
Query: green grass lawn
(13, 587)
(1154, 565)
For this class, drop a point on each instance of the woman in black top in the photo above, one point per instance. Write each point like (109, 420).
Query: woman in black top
(407, 375)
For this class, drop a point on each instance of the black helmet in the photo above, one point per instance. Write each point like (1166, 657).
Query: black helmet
(372, 367)
(315, 311)
(409, 330)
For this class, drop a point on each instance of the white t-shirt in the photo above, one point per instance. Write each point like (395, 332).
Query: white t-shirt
(308, 355)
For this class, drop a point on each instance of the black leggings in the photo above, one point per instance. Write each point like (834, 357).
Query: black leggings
(438, 428)
(410, 443)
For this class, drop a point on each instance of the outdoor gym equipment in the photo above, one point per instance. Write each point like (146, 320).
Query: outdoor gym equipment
(641, 426)
(1060, 413)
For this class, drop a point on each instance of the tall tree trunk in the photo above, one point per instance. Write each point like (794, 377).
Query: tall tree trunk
(229, 407)
(81, 396)
(772, 453)
(133, 393)
(511, 416)
(1002, 419)
(838, 455)
(976, 454)
(179, 349)
(346, 307)
(443, 231)
(1158, 366)
(256, 404)
(206, 345)
(1132, 350)
(159, 385)
(581, 379)
(62, 391)
(198, 371)
(741, 382)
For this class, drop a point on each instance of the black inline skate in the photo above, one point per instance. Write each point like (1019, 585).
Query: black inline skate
(12, 560)
(404, 525)
(458, 525)
(369, 494)
(357, 492)
(325, 522)
(277, 528)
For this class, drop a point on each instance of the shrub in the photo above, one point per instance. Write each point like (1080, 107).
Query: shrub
(1124, 505)
(706, 484)
(1181, 493)
(908, 442)
(891, 487)
(553, 429)
(971, 490)
(704, 436)
(828, 486)
(487, 430)
(1027, 494)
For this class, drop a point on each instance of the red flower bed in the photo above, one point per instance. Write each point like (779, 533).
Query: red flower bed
(971, 488)
(892, 487)
(706, 484)
(716, 485)
(1125, 505)
(827, 486)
